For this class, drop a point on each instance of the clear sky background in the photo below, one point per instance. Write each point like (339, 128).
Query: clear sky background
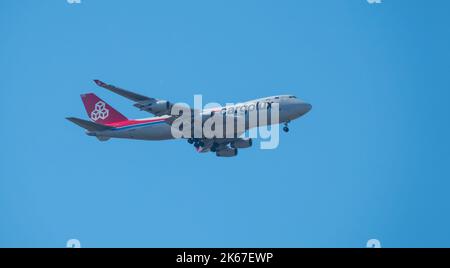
(371, 160)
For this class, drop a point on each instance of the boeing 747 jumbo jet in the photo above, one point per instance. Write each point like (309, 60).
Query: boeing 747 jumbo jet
(106, 122)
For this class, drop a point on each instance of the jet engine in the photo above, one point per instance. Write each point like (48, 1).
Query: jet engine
(241, 143)
(160, 107)
(227, 152)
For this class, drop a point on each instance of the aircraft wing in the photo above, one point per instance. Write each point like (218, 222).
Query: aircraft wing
(152, 105)
(124, 93)
(226, 147)
(223, 147)
(208, 143)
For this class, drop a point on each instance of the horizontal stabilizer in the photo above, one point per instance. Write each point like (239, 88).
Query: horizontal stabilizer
(91, 126)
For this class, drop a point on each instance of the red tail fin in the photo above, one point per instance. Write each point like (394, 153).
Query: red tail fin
(100, 111)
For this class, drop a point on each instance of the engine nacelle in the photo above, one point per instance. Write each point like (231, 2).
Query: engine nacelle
(161, 107)
(227, 152)
(241, 143)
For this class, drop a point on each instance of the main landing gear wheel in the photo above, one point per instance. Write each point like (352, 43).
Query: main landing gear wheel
(213, 148)
(198, 144)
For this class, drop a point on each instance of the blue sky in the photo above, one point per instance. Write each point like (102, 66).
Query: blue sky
(371, 160)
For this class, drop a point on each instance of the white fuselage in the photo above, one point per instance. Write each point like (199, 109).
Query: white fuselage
(156, 128)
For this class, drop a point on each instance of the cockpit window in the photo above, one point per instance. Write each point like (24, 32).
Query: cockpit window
(292, 97)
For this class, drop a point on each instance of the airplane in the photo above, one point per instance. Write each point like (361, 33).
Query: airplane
(106, 122)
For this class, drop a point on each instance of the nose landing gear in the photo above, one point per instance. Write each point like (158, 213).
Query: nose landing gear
(286, 127)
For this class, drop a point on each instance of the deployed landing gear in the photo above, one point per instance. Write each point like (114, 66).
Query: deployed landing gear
(213, 148)
(286, 127)
(198, 143)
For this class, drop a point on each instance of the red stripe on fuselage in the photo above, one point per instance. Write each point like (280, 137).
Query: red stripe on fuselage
(134, 122)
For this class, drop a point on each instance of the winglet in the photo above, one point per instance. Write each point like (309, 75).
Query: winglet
(99, 83)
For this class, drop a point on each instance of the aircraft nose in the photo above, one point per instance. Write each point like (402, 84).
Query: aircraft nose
(304, 107)
(307, 107)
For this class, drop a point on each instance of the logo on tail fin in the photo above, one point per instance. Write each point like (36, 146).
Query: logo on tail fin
(100, 111)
